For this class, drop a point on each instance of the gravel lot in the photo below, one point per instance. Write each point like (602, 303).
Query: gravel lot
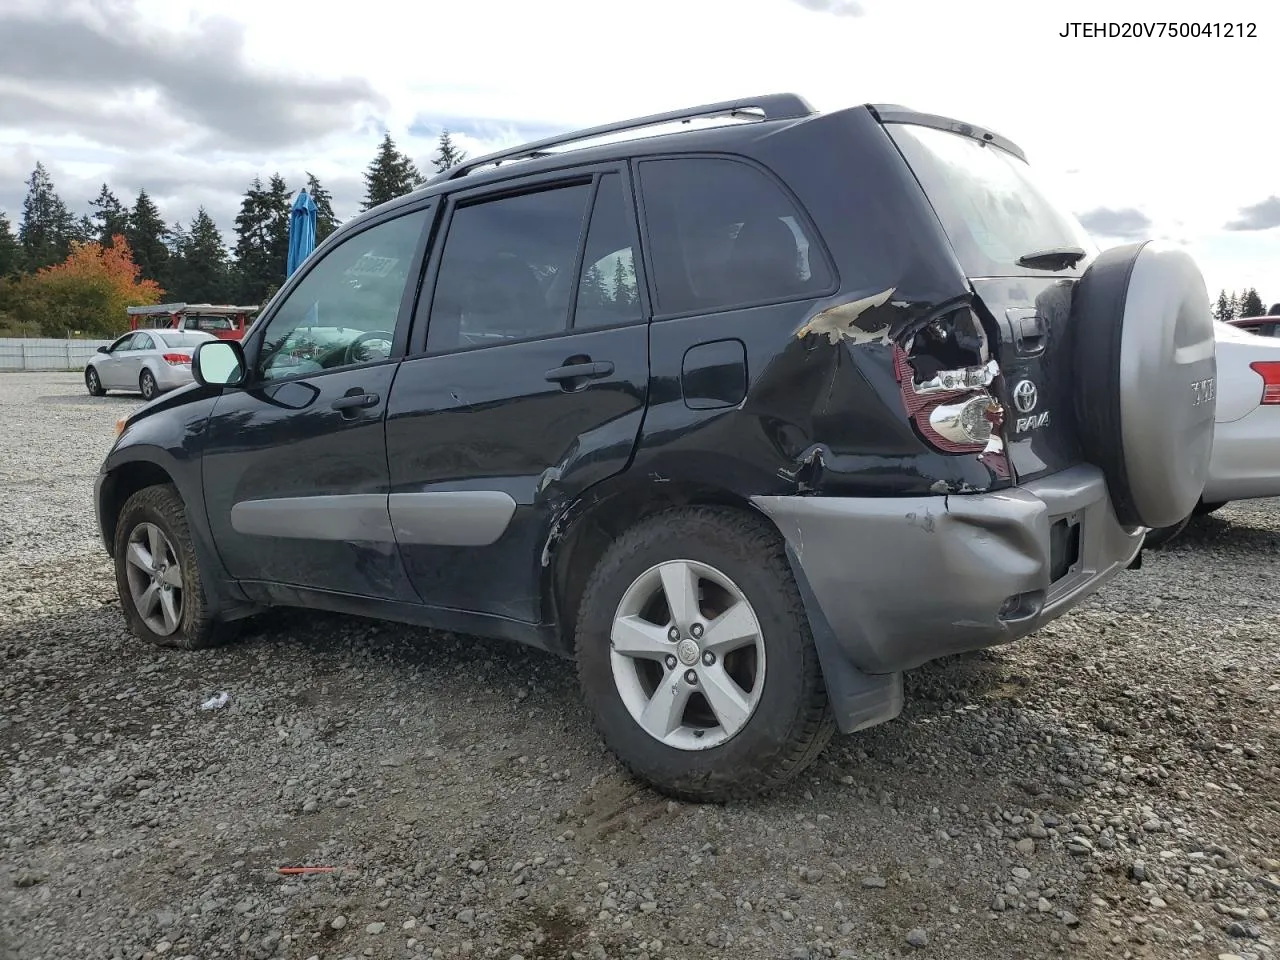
(1107, 788)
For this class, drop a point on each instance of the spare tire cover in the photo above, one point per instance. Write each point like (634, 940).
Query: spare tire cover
(1146, 378)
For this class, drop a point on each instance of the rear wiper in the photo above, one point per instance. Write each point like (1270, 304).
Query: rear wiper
(1055, 258)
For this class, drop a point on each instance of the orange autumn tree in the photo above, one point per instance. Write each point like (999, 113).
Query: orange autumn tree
(89, 290)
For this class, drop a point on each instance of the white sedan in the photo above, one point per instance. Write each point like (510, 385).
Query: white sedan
(148, 362)
(1245, 464)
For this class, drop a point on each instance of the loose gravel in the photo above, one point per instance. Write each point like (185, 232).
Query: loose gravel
(1107, 788)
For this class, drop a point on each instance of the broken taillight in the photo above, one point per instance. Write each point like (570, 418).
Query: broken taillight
(956, 419)
(946, 372)
(1269, 370)
(174, 359)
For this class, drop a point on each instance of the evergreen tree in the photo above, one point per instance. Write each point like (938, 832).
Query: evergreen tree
(260, 255)
(326, 222)
(1251, 304)
(1222, 309)
(624, 285)
(200, 272)
(110, 217)
(447, 155)
(86, 230)
(391, 174)
(278, 200)
(1235, 304)
(10, 251)
(593, 293)
(47, 228)
(148, 236)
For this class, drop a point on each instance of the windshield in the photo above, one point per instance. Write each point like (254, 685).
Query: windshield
(989, 202)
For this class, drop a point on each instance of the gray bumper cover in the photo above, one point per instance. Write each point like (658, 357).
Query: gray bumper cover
(896, 582)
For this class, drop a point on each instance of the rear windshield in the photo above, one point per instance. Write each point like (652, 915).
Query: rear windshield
(990, 205)
(186, 339)
(208, 323)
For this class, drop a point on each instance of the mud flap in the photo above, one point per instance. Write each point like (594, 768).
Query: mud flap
(858, 700)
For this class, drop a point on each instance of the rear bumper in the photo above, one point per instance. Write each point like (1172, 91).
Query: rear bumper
(901, 581)
(1246, 457)
(170, 376)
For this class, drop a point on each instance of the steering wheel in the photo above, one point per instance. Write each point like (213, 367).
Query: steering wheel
(351, 355)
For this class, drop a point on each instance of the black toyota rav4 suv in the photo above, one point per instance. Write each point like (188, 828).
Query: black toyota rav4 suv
(746, 408)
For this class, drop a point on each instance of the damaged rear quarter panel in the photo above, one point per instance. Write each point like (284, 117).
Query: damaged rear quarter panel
(819, 417)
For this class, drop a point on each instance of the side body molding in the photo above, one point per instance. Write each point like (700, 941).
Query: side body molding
(454, 518)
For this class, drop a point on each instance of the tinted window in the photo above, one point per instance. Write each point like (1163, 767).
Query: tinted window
(344, 309)
(607, 291)
(724, 234)
(208, 323)
(507, 272)
(988, 201)
(142, 341)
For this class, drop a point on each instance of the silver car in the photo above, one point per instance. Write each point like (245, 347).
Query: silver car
(144, 361)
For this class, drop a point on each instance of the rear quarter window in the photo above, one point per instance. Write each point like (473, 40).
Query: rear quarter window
(724, 234)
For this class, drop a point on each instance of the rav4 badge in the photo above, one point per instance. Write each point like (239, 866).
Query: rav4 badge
(1025, 397)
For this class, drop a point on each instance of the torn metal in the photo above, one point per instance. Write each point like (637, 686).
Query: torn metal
(841, 322)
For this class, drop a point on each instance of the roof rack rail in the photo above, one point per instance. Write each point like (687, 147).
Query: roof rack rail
(773, 106)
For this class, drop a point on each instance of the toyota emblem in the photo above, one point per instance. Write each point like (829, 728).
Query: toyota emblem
(1025, 396)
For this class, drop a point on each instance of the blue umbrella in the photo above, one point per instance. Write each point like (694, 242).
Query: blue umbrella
(302, 230)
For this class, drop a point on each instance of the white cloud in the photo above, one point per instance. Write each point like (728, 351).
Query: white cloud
(1177, 130)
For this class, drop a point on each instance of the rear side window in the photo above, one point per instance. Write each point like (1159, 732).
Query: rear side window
(508, 269)
(723, 234)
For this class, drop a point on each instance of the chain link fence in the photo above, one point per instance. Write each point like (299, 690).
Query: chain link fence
(31, 353)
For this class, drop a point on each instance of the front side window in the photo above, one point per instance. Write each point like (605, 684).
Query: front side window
(507, 270)
(122, 344)
(724, 234)
(344, 310)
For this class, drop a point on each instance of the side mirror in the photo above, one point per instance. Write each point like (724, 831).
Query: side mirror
(219, 363)
(104, 350)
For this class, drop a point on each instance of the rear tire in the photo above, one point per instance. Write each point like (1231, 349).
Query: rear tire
(775, 719)
(93, 383)
(147, 385)
(158, 576)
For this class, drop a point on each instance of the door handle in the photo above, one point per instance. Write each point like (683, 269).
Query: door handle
(591, 370)
(355, 401)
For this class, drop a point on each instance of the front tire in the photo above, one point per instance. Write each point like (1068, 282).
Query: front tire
(735, 705)
(147, 385)
(158, 576)
(93, 383)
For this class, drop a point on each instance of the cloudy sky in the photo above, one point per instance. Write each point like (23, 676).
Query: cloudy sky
(1152, 137)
